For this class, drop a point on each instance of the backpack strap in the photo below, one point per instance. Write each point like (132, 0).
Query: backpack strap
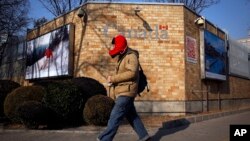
(143, 72)
(140, 68)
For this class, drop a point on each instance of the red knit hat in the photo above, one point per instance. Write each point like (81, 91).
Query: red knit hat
(120, 45)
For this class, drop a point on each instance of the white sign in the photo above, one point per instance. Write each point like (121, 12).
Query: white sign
(238, 59)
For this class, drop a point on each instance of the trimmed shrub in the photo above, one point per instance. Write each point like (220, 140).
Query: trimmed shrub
(19, 96)
(33, 113)
(89, 87)
(44, 83)
(6, 86)
(97, 110)
(65, 100)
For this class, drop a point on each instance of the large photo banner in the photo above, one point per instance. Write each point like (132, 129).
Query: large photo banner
(50, 55)
(238, 59)
(214, 56)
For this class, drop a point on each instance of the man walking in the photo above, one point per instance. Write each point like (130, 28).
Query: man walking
(125, 83)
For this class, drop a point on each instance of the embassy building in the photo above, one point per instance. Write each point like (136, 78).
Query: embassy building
(190, 64)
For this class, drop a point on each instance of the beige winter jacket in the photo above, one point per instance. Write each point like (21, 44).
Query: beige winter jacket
(126, 79)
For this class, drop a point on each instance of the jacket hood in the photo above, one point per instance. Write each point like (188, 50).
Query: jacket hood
(130, 50)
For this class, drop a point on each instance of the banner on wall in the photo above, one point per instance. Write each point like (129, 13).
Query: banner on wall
(50, 55)
(213, 56)
(191, 49)
(238, 59)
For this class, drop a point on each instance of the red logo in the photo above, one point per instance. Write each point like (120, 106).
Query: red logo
(163, 27)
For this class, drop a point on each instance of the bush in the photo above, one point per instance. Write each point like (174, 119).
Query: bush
(33, 113)
(89, 87)
(65, 100)
(6, 86)
(19, 96)
(97, 110)
(45, 83)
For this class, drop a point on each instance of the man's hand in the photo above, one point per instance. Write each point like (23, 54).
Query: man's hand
(108, 82)
(109, 79)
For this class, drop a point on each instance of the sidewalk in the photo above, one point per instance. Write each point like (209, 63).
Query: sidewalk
(216, 129)
(152, 123)
(160, 122)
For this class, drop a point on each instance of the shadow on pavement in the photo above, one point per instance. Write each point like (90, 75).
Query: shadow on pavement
(170, 127)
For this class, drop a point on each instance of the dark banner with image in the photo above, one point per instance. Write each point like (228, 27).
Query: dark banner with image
(213, 53)
(50, 55)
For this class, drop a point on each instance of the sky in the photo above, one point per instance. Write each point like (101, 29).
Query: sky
(232, 16)
(38, 11)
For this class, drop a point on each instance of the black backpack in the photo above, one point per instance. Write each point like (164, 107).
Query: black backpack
(143, 83)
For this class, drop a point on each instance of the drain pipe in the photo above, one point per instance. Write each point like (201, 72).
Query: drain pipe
(218, 93)
(207, 93)
(207, 100)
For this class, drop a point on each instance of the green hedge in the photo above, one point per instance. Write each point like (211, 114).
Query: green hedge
(68, 97)
(97, 110)
(19, 96)
(33, 113)
(6, 86)
(89, 86)
(65, 100)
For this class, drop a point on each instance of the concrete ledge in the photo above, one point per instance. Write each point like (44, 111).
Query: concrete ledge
(172, 108)
(198, 118)
(180, 108)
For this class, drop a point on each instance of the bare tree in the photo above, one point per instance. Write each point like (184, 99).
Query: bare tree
(58, 7)
(197, 5)
(13, 16)
(13, 20)
(39, 21)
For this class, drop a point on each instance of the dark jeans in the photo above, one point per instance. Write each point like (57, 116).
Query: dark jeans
(124, 107)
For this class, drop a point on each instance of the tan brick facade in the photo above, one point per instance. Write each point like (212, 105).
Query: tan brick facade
(161, 52)
(215, 91)
(158, 32)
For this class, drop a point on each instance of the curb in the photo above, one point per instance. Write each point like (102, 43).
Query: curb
(199, 118)
(124, 129)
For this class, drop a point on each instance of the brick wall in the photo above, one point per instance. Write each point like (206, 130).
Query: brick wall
(159, 33)
(233, 89)
(156, 34)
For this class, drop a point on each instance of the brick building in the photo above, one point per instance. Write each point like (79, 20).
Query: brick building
(160, 32)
